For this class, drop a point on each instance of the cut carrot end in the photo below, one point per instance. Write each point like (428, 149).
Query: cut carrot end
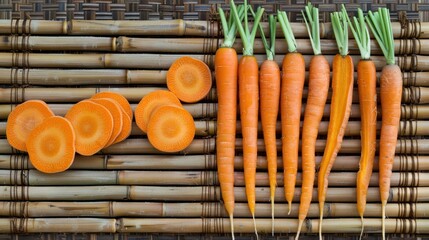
(23, 119)
(300, 223)
(126, 128)
(189, 78)
(171, 128)
(116, 112)
(93, 125)
(118, 98)
(51, 145)
(150, 102)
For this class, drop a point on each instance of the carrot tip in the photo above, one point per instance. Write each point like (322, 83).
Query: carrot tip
(289, 203)
(272, 216)
(320, 223)
(299, 228)
(254, 224)
(362, 227)
(383, 217)
(231, 220)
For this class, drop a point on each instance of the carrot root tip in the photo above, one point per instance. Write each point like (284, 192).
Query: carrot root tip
(272, 217)
(362, 227)
(289, 203)
(254, 224)
(383, 218)
(320, 224)
(299, 229)
(231, 219)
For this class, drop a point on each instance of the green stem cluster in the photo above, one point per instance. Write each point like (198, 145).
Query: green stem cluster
(287, 31)
(341, 32)
(311, 18)
(360, 33)
(229, 26)
(270, 47)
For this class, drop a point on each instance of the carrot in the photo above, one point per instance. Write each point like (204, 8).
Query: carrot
(93, 125)
(114, 109)
(150, 102)
(23, 119)
(367, 82)
(123, 102)
(248, 95)
(171, 128)
(318, 87)
(390, 98)
(126, 127)
(269, 95)
(292, 86)
(51, 145)
(342, 90)
(226, 70)
(189, 79)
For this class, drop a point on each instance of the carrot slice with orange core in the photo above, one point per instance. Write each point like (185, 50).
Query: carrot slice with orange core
(189, 78)
(118, 98)
(116, 111)
(51, 145)
(171, 128)
(93, 125)
(23, 119)
(150, 102)
(126, 128)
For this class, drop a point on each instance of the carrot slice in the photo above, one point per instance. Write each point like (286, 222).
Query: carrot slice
(116, 111)
(93, 125)
(171, 128)
(189, 78)
(51, 145)
(126, 128)
(23, 119)
(150, 102)
(118, 98)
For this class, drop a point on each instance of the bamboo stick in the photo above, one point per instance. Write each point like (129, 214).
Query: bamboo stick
(401, 163)
(184, 178)
(172, 28)
(191, 193)
(164, 61)
(284, 226)
(191, 209)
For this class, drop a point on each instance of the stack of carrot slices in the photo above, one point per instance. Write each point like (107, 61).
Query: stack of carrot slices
(169, 127)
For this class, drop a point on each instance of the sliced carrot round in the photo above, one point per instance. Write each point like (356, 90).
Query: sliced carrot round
(118, 98)
(93, 125)
(23, 119)
(51, 145)
(116, 111)
(189, 78)
(126, 128)
(150, 102)
(171, 128)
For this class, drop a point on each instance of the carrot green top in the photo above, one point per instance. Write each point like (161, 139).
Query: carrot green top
(311, 18)
(247, 35)
(360, 32)
(229, 27)
(380, 25)
(340, 26)
(287, 31)
(270, 48)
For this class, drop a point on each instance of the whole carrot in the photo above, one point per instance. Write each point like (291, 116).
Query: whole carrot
(318, 86)
(342, 90)
(248, 97)
(269, 84)
(292, 86)
(390, 98)
(367, 81)
(226, 67)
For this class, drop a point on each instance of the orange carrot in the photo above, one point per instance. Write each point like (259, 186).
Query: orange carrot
(292, 86)
(367, 82)
(189, 79)
(248, 95)
(23, 119)
(318, 87)
(342, 90)
(126, 127)
(269, 95)
(93, 125)
(226, 69)
(150, 102)
(171, 128)
(390, 97)
(114, 109)
(51, 145)
(123, 102)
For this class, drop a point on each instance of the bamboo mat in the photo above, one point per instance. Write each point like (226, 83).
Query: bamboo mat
(132, 191)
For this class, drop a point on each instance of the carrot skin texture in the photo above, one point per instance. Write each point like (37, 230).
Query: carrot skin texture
(226, 70)
(318, 88)
(342, 91)
(292, 85)
(390, 98)
(248, 96)
(367, 82)
(269, 84)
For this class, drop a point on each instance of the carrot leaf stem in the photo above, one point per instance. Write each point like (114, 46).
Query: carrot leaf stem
(269, 47)
(311, 18)
(360, 33)
(229, 27)
(287, 31)
(379, 23)
(340, 27)
(247, 36)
